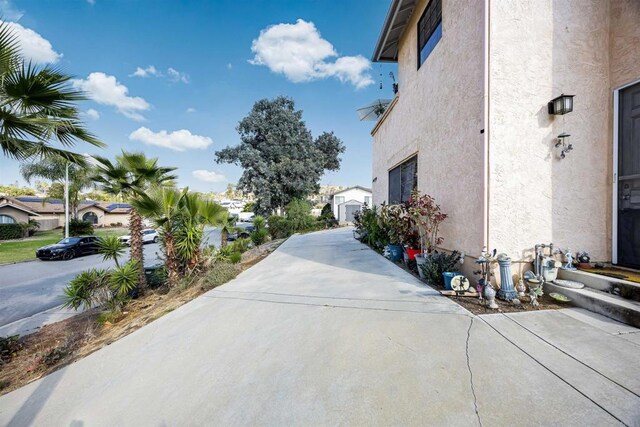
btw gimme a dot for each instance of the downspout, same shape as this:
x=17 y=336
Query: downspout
x=486 y=190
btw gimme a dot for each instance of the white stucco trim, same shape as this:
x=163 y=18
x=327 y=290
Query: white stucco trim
x=614 y=212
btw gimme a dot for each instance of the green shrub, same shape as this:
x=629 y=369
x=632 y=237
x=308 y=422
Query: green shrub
x=235 y=257
x=438 y=263
x=240 y=245
x=9 y=346
x=299 y=215
x=259 y=236
x=326 y=218
x=11 y=231
x=77 y=227
x=220 y=273
x=249 y=207
x=279 y=227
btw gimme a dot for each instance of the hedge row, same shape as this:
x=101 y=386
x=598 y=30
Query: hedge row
x=11 y=231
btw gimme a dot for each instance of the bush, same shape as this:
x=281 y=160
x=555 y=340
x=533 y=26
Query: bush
x=259 y=236
x=240 y=245
x=279 y=227
x=438 y=263
x=77 y=227
x=249 y=207
x=326 y=218
x=299 y=215
x=30 y=228
x=11 y=231
x=220 y=273
x=235 y=257
x=9 y=346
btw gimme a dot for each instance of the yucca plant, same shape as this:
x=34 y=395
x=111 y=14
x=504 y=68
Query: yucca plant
x=111 y=248
x=123 y=280
x=87 y=289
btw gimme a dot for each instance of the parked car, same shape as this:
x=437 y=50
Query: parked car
x=69 y=248
x=149 y=235
x=238 y=235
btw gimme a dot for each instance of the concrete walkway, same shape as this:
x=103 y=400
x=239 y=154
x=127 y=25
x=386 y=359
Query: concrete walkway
x=325 y=332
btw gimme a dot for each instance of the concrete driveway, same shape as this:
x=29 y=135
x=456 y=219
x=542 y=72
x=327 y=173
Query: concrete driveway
x=326 y=332
x=31 y=292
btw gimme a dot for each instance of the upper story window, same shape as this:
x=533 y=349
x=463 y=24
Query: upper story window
x=403 y=180
x=429 y=30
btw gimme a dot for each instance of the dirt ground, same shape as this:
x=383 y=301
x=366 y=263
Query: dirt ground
x=478 y=306
x=67 y=341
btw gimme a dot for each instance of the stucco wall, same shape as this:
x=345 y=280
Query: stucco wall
x=538 y=50
x=624 y=42
x=439 y=115
x=18 y=215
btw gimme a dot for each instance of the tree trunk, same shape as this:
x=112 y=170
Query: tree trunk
x=171 y=262
x=137 y=250
x=224 y=238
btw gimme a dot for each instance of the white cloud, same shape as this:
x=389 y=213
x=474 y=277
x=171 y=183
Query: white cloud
x=91 y=2
x=93 y=114
x=300 y=53
x=106 y=90
x=177 y=76
x=9 y=12
x=33 y=46
x=208 y=176
x=146 y=72
x=171 y=73
x=191 y=110
x=229 y=66
x=179 y=140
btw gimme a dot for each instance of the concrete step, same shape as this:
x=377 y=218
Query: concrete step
x=609 y=305
x=611 y=285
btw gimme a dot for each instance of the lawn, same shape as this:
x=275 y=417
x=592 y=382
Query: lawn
x=25 y=250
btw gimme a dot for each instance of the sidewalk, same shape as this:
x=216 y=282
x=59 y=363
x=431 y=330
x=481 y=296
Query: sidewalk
x=323 y=332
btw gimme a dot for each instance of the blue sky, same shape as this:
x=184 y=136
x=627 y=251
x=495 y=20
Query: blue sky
x=200 y=67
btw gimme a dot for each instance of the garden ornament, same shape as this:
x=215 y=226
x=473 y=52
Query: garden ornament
x=535 y=291
x=568 y=256
x=506 y=291
x=521 y=288
x=490 y=296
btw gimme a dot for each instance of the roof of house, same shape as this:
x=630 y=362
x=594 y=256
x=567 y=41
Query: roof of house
x=352 y=188
x=39 y=205
x=11 y=202
x=398 y=16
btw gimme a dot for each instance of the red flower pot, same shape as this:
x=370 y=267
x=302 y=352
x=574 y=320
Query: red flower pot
x=412 y=253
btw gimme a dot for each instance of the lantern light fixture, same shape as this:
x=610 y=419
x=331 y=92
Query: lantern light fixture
x=561 y=105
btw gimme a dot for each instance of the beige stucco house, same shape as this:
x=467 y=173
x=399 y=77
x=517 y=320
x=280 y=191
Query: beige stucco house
x=50 y=212
x=470 y=123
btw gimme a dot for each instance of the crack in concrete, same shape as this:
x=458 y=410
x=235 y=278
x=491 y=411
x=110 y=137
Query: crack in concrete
x=401 y=345
x=473 y=390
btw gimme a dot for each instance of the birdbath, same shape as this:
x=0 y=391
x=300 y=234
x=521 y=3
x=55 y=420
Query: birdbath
x=507 y=291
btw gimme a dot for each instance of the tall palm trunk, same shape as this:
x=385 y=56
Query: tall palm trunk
x=137 y=250
x=224 y=237
x=171 y=261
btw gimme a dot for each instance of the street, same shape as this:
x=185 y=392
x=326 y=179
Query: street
x=31 y=292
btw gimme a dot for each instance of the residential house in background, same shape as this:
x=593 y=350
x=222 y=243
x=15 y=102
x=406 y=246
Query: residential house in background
x=345 y=203
x=50 y=212
x=471 y=123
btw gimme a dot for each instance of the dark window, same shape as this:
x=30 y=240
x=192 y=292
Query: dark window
x=429 y=30
x=402 y=181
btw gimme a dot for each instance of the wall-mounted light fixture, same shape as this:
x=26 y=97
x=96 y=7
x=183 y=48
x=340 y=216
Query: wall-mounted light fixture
x=561 y=105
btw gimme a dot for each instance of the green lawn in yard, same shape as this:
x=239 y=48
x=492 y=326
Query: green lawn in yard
x=24 y=250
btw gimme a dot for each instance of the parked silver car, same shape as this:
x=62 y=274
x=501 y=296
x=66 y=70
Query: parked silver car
x=149 y=235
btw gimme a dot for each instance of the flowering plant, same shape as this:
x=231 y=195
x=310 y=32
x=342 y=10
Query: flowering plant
x=427 y=215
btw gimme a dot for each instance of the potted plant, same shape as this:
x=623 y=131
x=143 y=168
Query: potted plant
x=427 y=217
x=392 y=221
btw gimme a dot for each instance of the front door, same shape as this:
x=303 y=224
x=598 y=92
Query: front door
x=629 y=177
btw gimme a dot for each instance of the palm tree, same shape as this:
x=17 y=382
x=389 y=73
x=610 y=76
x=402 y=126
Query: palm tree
x=181 y=217
x=227 y=225
x=38 y=107
x=128 y=178
x=53 y=168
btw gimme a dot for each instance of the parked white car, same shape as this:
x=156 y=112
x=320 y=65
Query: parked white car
x=148 y=236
